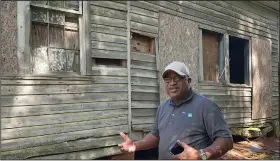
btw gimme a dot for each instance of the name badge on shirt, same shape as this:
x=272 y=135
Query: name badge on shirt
x=187 y=115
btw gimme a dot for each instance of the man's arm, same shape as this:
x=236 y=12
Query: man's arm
x=148 y=142
x=218 y=148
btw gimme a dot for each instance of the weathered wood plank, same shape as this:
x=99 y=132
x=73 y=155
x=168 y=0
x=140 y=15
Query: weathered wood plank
x=222 y=92
x=108 y=46
x=145 y=5
x=110 y=4
x=109 y=79
x=144 y=81
x=144 y=27
x=233 y=104
x=109 y=54
x=59 y=118
x=107 y=12
x=142 y=120
x=108 y=38
x=143 y=12
x=143 y=57
x=81 y=155
x=206 y=17
x=45 y=82
x=237 y=115
x=257 y=10
x=145 y=89
x=145 y=104
x=64 y=147
x=144 y=112
x=170 y=10
x=229 y=21
x=226 y=88
x=56 y=89
x=108 y=21
x=227 y=98
x=108 y=30
x=233 y=16
x=143 y=73
x=243 y=12
x=139 y=64
x=144 y=19
x=144 y=127
x=25 y=132
x=116 y=71
x=262 y=82
x=61 y=108
x=141 y=96
x=226 y=110
x=65 y=98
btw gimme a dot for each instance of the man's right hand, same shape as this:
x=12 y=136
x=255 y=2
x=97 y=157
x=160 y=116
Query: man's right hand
x=128 y=144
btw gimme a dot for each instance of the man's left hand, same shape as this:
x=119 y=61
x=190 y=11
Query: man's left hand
x=189 y=153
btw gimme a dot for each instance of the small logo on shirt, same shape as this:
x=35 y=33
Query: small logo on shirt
x=187 y=114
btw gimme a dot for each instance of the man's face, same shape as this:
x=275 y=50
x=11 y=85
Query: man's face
x=177 y=87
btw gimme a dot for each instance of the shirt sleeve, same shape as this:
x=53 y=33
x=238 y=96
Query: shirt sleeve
x=215 y=124
x=155 y=130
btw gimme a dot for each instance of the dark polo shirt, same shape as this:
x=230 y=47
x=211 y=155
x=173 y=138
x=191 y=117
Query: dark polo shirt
x=197 y=121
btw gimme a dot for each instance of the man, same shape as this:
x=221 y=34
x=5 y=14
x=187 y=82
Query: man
x=192 y=119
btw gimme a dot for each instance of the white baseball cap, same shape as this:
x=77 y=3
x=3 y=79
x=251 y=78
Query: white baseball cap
x=178 y=67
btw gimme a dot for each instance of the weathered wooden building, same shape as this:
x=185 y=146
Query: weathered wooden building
x=76 y=73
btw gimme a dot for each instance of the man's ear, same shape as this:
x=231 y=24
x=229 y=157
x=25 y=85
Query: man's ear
x=189 y=80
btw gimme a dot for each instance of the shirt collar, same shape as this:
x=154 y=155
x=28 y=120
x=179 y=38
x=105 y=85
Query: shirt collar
x=186 y=99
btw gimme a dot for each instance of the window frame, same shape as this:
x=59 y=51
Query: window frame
x=224 y=68
x=24 y=34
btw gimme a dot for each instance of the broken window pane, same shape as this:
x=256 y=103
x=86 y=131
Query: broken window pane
x=40 y=60
x=239 y=60
x=56 y=17
x=39 y=14
x=72 y=57
x=57 y=59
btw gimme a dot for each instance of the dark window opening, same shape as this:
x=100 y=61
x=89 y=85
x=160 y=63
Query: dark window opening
x=110 y=62
x=239 y=60
x=144 y=44
x=212 y=49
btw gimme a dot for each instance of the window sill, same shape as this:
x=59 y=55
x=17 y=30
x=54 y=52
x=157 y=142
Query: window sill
x=211 y=83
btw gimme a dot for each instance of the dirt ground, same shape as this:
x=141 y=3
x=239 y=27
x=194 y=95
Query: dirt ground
x=262 y=148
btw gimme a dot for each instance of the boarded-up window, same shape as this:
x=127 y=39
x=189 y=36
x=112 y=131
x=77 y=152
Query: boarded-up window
x=262 y=78
x=55 y=36
x=210 y=44
x=144 y=44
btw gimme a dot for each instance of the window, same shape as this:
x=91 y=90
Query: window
x=224 y=58
x=211 y=44
x=239 y=60
x=144 y=44
x=54 y=36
